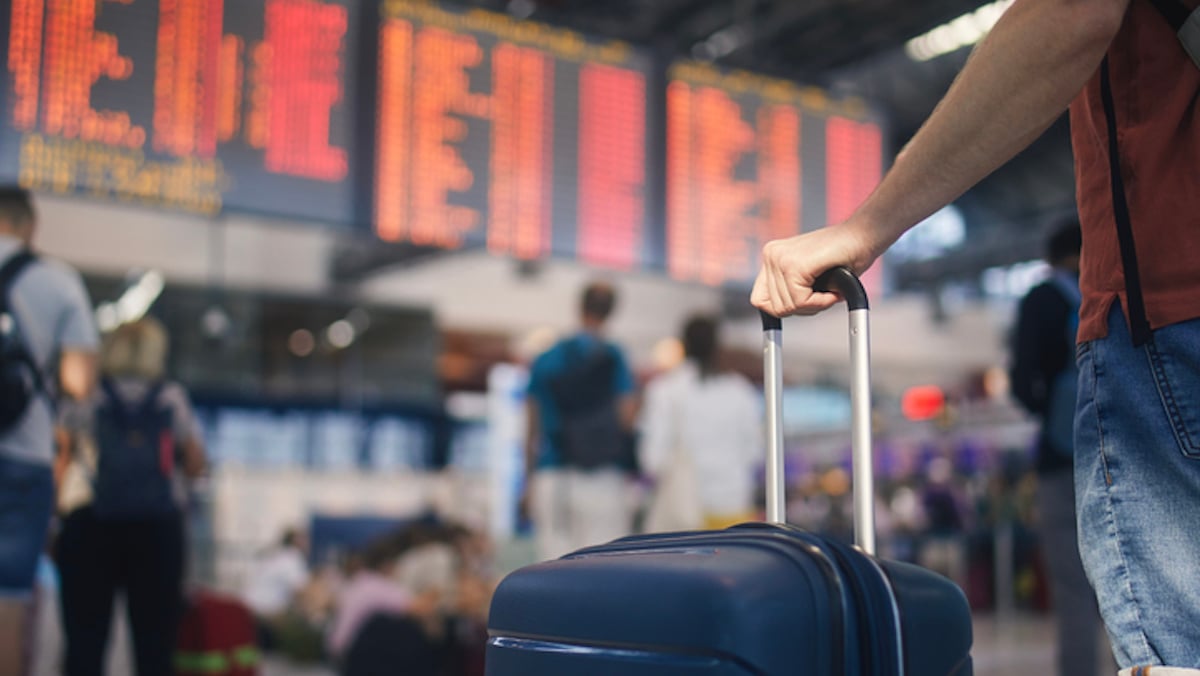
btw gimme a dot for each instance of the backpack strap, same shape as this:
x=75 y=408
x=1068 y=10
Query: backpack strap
x=113 y=398
x=150 y=400
x=9 y=272
x=126 y=409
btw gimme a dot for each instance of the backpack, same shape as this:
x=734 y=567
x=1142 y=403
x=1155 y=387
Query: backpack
x=21 y=378
x=136 y=456
x=590 y=433
x=1059 y=426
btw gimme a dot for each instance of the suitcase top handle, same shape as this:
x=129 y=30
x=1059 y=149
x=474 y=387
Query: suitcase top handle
x=843 y=281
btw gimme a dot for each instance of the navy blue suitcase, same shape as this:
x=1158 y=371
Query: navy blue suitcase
x=755 y=599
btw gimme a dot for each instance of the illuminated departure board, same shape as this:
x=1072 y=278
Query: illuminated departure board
x=523 y=138
x=751 y=159
x=198 y=105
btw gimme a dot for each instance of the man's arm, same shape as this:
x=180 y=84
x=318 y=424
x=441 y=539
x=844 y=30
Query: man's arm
x=77 y=373
x=79 y=340
x=1018 y=81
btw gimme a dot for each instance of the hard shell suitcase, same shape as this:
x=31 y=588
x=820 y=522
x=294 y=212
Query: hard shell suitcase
x=763 y=599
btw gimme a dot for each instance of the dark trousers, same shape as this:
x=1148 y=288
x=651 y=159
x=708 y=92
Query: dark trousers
x=144 y=559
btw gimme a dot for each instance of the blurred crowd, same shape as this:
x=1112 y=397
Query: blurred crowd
x=415 y=597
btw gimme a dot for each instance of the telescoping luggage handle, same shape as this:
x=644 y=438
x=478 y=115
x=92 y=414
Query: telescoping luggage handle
x=843 y=281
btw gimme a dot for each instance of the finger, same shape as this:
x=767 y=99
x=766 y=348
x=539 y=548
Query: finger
x=779 y=305
x=783 y=302
x=760 y=295
x=817 y=302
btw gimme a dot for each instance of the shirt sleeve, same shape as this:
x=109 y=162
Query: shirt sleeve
x=184 y=423
x=536 y=389
x=76 y=324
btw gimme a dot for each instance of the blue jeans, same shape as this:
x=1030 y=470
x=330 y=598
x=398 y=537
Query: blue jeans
x=1137 y=482
x=26 y=504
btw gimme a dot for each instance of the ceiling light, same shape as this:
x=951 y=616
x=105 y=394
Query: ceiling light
x=301 y=342
x=341 y=334
x=962 y=32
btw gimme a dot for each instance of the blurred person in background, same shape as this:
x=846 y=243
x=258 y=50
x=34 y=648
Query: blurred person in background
x=416 y=605
x=370 y=590
x=128 y=453
x=701 y=438
x=274 y=587
x=1044 y=379
x=943 y=546
x=48 y=341
x=579 y=444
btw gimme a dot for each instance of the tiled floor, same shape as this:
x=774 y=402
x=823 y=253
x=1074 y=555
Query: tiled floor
x=1015 y=646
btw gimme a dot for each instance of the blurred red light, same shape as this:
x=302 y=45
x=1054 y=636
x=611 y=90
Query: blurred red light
x=924 y=402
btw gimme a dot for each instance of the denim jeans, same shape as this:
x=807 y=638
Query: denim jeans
x=1137 y=482
x=26 y=504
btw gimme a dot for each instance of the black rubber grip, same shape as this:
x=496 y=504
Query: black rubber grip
x=840 y=279
x=770 y=322
x=843 y=280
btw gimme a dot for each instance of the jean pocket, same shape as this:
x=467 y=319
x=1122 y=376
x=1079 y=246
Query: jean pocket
x=1175 y=357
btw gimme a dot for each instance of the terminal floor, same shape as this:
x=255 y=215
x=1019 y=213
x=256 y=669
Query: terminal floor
x=1010 y=646
x=1017 y=645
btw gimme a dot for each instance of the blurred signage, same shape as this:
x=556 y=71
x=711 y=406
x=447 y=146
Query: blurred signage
x=513 y=135
x=751 y=159
x=815 y=409
x=273 y=434
x=198 y=105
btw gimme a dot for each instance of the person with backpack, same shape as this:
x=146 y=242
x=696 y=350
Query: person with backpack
x=579 y=445
x=129 y=450
x=1044 y=379
x=48 y=342
x=1124 y=68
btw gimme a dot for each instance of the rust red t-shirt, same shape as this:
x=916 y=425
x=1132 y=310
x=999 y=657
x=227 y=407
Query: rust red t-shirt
x=1156 y=94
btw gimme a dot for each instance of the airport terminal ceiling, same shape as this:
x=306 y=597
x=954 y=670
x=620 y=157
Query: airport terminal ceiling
x=613 y=187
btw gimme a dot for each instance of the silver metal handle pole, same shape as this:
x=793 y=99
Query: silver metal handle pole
x=845 y=282
x=860 y=431
x=773 y=386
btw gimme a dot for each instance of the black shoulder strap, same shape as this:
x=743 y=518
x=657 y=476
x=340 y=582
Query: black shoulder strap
x=116 y=403
x=150 y=401
x=1138 y=325
x=9 y=272
x=12 y=268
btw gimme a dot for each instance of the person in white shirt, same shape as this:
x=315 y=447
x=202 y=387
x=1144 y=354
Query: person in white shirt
x=702 y=438
x=279 y=577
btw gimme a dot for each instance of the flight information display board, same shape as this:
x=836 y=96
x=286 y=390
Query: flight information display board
x=751 y=159
x=527 y=139
x=198 y=105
